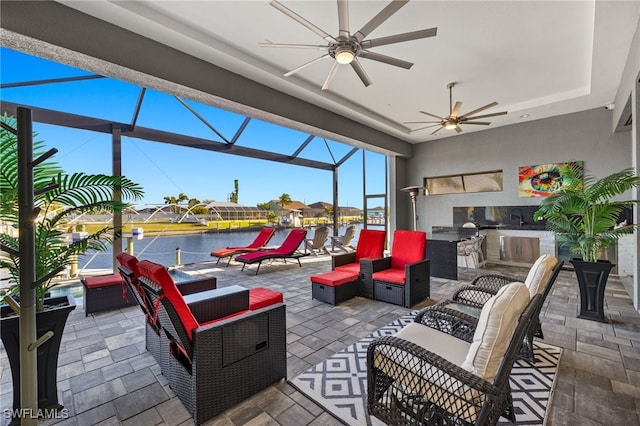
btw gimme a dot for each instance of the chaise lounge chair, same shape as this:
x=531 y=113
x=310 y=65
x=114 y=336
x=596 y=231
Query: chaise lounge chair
x=288 y=250
x=258 y=244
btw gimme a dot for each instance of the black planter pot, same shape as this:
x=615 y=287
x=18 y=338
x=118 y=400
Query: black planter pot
x=53 y=319
x=592 y=279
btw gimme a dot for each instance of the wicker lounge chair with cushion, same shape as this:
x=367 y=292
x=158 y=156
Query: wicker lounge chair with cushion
x=424 y=376
x=316 y=244
x=287 y=250
x=221 y=351
x=370 y=246
x=540 y=279
x=261 y=240
x=403 y=277
x=148 y=302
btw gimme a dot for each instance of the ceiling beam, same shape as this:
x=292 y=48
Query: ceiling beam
x=57 y=118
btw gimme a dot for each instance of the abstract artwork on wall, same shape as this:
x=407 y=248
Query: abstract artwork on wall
x=542 y=180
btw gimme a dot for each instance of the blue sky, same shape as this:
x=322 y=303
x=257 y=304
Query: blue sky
x=167 y=170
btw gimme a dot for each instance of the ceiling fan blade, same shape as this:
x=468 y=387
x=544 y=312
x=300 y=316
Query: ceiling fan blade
x=357 y=67
x=466 y=117
x=427 y=127
x=343 y=18
x=293 y=71
x=386 y=59
x=492 y=104
x=382 y=16
x=458 y=129
x=482 y=123
x=456 y=110
x=432 y=115
x=398 y=38
x=332 y=73
x=293 y=46
x=420 y=122
x=299 y=19
x=437 y=130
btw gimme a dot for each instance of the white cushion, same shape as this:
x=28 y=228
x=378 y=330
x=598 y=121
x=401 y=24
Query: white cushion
x=496 y=325
x=540 y=273
x=442 y=344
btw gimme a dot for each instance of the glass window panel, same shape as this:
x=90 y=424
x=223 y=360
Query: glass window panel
x=464 y=183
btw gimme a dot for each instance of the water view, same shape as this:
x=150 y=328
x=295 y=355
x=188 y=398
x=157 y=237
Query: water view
x=193 y=247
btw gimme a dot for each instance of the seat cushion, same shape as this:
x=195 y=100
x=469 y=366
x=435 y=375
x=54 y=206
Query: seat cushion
x=334 y=278
x=442 y=344
x=496 y=325
x=261 y=297
x=353 y=268
x=103 y=281
x=540 y=273
x=391 y=275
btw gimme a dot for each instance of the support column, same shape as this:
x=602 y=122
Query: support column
x=27 y=250
x=116 y=153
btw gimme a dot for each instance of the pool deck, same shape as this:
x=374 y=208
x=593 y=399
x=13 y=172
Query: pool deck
x=105 y=375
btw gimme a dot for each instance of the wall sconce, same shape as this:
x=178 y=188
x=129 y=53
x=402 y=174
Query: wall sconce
x=413 y=193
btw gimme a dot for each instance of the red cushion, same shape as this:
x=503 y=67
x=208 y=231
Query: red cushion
x=130 y=262
x=159 y=274
x=262 y=297
x=334 y=278
x=352 y=268
x=261 y=240
x=370 y=244
x=392 y=275
x=289 y=245
x=103 y=281
x=408 y=247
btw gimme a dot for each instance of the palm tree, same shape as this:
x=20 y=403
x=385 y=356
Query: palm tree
x=70 y=195
x=284 y=199
x=582 y=214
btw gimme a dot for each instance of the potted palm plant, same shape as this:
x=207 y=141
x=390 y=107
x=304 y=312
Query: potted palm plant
x=584 y=216
x=58 y=197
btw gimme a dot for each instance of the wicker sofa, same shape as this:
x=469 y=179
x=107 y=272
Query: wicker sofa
x=147 y=301
x=221 y=351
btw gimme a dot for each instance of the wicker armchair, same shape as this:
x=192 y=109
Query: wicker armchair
x=221 y=351
x=425 y=376
x=402 y=278
x=370 y=246
x=148 y=302
x=540 y=279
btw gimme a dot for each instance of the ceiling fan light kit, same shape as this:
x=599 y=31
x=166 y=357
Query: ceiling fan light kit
x=453 y=120
x=346 y=48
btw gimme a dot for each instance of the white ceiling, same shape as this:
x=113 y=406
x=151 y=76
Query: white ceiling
x=541 y=58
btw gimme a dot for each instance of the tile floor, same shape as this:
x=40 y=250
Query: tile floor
x=107 y=377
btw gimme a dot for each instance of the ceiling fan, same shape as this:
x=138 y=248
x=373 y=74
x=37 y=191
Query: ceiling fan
x=453 y=120
x=346 y=48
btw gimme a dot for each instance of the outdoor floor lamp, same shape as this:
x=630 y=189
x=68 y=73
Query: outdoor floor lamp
x=413 y=193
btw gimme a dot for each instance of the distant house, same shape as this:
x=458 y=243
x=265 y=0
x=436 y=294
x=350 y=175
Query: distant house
x=291 y=214
x=234 y=211
x=320 y=208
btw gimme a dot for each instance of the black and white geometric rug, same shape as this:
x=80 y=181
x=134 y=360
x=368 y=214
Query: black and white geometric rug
x=339 y=383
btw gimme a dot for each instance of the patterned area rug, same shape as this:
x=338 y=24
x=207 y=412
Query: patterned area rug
x=339 y=383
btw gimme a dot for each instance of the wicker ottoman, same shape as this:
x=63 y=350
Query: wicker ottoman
x=105 y=292
x=334 y=287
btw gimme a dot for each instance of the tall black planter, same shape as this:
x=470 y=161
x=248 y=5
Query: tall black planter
x=592 y=279
x=53 y=318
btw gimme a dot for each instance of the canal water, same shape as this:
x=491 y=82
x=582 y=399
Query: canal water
x=193 y=247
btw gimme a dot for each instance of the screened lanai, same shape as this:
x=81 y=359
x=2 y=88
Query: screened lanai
x=172 y=144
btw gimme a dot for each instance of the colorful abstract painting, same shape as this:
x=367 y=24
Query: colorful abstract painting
x=542 y=180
